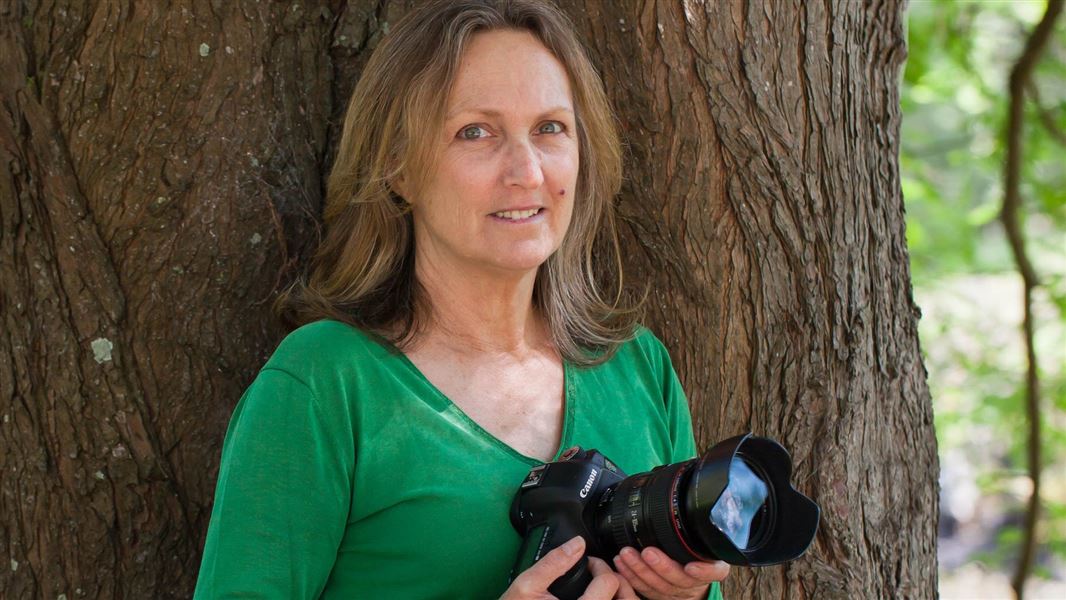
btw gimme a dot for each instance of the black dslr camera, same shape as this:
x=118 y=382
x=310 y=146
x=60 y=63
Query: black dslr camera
x=734 y=503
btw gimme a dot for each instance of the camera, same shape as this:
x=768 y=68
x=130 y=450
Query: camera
x=734 y=503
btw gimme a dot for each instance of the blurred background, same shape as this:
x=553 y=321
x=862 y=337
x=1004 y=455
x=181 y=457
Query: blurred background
x=955 y=101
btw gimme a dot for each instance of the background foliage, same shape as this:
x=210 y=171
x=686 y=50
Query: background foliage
x=955 y=107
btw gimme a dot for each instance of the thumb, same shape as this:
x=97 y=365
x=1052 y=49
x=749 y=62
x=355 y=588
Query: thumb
x=553 y=566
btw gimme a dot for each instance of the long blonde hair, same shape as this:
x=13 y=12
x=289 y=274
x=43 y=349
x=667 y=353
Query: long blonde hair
x=363 y=272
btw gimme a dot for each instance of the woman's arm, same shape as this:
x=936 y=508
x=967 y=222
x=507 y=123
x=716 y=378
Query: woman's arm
x=283 y=494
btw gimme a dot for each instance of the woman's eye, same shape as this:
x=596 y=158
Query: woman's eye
x=551 y=127
x=473 y=132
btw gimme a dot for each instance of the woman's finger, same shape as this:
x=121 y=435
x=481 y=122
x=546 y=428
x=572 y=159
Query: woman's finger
x=708 y=571
x=536 y=579
x=630 y=577
x=604 y=581
x=669 y=569
x=646 y=579
x=625 y=591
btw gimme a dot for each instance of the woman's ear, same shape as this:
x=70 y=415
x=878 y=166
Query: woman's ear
x=399 y=186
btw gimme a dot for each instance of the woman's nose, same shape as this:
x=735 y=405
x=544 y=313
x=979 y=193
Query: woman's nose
x=523 y=166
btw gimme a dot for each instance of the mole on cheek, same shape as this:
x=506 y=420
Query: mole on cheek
x=562 y=192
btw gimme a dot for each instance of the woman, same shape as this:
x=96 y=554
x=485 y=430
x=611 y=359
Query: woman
x=451 y=334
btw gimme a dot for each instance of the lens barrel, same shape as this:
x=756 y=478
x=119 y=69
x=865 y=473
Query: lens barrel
x=735 y=503
x=645 y=510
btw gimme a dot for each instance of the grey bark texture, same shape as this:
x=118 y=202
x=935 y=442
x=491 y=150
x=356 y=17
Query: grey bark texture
x=163 y=171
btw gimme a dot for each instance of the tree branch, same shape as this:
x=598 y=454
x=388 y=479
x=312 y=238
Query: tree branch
x=1019 y=78
x=1046 y=117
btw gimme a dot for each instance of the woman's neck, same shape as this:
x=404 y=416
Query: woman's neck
x=477 y=312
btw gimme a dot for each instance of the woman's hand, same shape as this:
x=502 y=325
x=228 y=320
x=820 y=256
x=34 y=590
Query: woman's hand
x=656 y=576
x=532 y=584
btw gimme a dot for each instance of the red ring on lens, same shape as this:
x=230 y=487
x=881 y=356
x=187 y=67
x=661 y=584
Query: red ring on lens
x=675 y=514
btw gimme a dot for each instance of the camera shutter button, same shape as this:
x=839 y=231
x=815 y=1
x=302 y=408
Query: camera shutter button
x=570 y=452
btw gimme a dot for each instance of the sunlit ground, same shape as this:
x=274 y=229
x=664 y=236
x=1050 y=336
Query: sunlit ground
x=973 y=583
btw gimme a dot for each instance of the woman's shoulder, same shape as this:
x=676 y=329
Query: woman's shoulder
x=324 y=347
x=322 y=336
x=642 y=346
x=642 y=356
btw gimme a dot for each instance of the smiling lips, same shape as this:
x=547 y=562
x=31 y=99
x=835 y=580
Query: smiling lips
x=516 y=215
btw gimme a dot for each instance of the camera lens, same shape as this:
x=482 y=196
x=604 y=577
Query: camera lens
x=645 y=510
x=734 y=503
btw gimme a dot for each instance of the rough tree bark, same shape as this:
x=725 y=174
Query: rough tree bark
x=160 y=166
x=764 y=205
x=163 y=170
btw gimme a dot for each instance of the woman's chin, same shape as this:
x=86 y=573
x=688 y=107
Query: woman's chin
x=518 y=265
x=523 y=258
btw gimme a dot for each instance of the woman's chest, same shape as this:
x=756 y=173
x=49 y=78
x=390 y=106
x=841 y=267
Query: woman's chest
x=522 y=405
x=430 y=508
x=444 y=532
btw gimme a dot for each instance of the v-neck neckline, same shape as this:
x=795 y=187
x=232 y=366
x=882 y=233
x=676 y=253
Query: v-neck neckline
x=568 y=410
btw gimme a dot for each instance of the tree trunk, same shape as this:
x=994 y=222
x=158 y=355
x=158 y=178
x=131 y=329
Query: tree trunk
x=763 y=205
x=163 y=173
x=162 y=166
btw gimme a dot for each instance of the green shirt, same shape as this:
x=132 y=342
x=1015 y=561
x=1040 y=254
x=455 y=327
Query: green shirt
x=346 y=474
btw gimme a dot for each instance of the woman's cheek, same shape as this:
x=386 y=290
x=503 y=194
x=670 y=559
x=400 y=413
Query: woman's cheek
x=562 y=165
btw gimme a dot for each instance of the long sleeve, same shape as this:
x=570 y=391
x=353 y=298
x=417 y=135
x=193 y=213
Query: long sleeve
x=283 y=494
x=677 y=418
x=680 y=422
x=677 y=413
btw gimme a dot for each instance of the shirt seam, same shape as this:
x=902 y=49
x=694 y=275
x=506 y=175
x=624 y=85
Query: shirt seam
x=318 y=415
x=298 y=380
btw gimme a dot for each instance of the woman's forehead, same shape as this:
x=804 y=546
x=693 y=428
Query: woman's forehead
x=504 y=71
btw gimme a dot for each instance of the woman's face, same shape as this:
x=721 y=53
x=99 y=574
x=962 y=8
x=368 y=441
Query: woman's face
x=500 y=196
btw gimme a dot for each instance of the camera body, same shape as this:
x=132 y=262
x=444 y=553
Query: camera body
x=558 y=501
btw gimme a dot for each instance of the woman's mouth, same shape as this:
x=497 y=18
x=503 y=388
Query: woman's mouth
x=517 y=215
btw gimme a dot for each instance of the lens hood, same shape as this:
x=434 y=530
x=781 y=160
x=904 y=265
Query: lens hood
x=783 y=525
